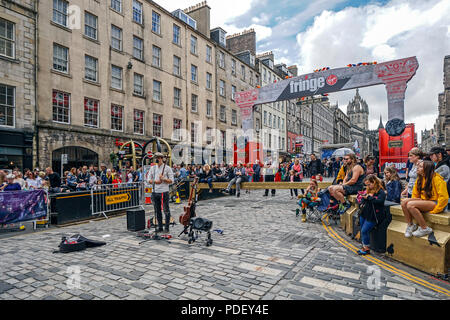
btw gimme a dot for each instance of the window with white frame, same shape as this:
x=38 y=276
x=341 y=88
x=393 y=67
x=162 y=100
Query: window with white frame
x=176 y=34
x=116 y=38
x=116 y=117
x=156 y=90
x=138 y=121
x=233 y=117
x=193 y=73
x=221 y=59
x=176 y=66
x=60 y=58
x=116 y=77
x=233 y=67
x=176 y=134
x=90 y=25
x=208 y=54
x=193 y=45
x=222 y=114
x=61 y=106
x=233 y=91
x=138 y=84
x=137 y=11
x=116 y=5
x=177 y=97
x=156 y=57
x=156 y=22
x=90 y=68
x=270 y=119
x=91 y=113
x=208 y=108
x=222 y=88
x=157 y=125
x=208 y=80
x=194 y=132
x=208 y=135
x=194 y=103
x=138 y=48
x=7 y=38
x=265 y=118
x=243 y=72
x=60 y=12
x=7 y=105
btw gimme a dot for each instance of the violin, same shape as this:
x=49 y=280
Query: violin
x=189 y=210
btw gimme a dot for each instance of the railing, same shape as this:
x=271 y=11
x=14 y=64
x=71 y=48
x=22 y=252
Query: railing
x=114 y=197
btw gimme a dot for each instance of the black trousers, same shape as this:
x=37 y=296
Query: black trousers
x=157 y=198
x=269 y=179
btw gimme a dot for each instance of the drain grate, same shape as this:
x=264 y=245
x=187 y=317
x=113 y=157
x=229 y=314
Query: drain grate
x=293 y=238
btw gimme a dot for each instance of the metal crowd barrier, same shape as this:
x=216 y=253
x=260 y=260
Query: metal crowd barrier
x=114 y=197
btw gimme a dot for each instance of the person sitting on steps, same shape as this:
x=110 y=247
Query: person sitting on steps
x=352 y=183
x=429 y=195
x=239 y=176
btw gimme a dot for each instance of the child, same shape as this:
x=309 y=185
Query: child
x=291 y=179
x=310 y=197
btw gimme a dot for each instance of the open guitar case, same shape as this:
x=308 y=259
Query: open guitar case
x=77 y=242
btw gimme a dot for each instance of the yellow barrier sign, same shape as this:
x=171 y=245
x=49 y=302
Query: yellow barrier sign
x=117 y=198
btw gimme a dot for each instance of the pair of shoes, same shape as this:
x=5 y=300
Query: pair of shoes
x=238 y=195
x=292 y=197
x=409 y=230
x=166 y=229
x=422 y=232
x=363 y=252
x=265 y=195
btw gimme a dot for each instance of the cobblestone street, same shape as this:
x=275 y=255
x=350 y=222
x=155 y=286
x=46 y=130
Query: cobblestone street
x=265 y=252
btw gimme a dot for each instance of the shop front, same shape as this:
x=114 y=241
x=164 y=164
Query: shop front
x=16 y=149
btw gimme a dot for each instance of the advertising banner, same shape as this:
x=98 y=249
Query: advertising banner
x=394 y=74
x=18 y=206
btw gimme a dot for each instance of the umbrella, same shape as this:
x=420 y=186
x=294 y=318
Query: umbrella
x=341 y=152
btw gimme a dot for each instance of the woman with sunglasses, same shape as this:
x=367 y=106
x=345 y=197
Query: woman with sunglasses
x=429 y=195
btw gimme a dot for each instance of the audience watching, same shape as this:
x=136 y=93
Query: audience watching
x=429 y=195
x=393 y=184
x=372 y=209
x=207 y=176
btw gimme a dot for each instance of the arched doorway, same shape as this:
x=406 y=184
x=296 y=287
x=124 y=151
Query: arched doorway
x=76 y=157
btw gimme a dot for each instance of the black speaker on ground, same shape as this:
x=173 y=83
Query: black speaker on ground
x=135 y=220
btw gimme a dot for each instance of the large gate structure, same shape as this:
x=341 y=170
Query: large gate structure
x=394 y=74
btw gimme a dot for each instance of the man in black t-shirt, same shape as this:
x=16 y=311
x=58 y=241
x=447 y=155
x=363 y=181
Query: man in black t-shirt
x=54 y=180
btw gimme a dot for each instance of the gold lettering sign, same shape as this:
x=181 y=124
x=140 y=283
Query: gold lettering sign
x=395 y=144
x=117 y=198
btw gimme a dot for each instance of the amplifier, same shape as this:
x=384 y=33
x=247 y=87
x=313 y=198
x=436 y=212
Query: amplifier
x=135 y=220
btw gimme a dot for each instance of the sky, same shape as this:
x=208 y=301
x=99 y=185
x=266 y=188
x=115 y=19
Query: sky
x=333 y=33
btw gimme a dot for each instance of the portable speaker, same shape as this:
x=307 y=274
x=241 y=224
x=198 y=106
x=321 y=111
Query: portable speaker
x=135 y=220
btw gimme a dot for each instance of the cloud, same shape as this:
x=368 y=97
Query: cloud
x=380 y=33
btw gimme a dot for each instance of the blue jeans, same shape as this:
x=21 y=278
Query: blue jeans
x=209 y=181
x=366 y=227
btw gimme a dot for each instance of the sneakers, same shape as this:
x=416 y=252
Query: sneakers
x=238 y=194
x=409 y=230
x=422 y=232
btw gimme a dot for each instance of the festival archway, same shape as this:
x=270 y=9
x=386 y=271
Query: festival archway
x=394 y=74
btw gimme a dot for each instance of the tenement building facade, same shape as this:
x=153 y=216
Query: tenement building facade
x=129 y=70
x=17 y=83
x=442 y=125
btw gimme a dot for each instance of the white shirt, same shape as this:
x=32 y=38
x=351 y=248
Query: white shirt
x=155 y=172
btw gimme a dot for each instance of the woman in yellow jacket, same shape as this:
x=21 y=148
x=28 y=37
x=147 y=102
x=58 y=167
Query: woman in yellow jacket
x=429 y=195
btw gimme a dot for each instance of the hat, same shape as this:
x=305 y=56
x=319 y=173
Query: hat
x=437 y=150
x=10 y=176
x=158 y=155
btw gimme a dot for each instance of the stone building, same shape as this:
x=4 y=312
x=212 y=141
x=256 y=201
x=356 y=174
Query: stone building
x=367 y=140
x=17 y=83
x=127 y=70
x=341 y=128
x=442 y=125
x=429 y=139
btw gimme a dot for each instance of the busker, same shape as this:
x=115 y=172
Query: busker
x=160 y=177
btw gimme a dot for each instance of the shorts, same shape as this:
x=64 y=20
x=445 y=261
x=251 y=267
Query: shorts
x=352 y=189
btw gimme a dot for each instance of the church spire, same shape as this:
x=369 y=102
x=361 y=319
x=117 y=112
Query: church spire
x=381 y=126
